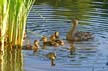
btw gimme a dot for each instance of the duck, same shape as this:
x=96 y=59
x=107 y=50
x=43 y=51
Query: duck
x=57 y=34
x=54 y=36
x=27 y=47
x=54 y=39
x=46 y=42
x=33 y=47
x=74 y=35
x=36 y=46
x=52 y=57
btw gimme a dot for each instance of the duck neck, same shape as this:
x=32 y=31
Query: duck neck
x=73 y=30
x=71 y=33
x=36 y=45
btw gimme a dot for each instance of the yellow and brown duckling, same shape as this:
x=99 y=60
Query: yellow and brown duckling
x=48 y=43
x=27 y=47
x=55 y=38
x=78 y=36
x=35 y=46
x=52 y=57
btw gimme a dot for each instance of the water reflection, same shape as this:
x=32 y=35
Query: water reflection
x=72 y=47
x=11 y=60
x=69 y=8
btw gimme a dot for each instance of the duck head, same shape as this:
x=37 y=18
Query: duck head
x=56 y=34
x=75 y=22
x=44 y=39
x=36 y=42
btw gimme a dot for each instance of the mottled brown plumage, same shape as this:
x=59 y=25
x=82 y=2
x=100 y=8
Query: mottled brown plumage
x=78 y=35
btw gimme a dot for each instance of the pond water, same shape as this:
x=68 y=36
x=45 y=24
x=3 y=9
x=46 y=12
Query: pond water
x=48 y=16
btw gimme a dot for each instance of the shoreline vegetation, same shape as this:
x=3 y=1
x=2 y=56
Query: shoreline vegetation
x=13 y=17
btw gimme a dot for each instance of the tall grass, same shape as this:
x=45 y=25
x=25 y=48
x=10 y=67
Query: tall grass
x=13 y=16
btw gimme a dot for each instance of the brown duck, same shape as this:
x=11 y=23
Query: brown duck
x=74 y=35
x=52 y=57
x=48 y=43
x=55 y=38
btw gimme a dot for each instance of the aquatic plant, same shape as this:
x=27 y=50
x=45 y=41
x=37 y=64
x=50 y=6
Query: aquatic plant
x=13 y=16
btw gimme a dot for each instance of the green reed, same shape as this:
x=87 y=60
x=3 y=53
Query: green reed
x=13 y=17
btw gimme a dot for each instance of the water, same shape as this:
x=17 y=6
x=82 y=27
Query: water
x=48 y=16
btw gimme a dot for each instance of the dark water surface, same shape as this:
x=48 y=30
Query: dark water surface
x=48 y=16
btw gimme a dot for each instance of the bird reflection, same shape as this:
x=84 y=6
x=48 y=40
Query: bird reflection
x=72 y=48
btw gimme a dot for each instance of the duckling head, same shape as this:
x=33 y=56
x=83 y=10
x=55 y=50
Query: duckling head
x=56 y=34
x=36 y=42
x=35 y=47
x=51 y=55
x=44 y=39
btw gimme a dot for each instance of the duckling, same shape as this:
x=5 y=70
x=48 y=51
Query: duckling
x=35 y=46
x=27 y=47
x=55 y=39
x=52 y=57
x=48 y=43
x=78 y=36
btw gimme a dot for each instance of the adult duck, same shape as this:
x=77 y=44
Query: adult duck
x=74 y=35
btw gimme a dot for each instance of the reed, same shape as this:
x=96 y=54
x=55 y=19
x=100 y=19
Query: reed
x=13 y=16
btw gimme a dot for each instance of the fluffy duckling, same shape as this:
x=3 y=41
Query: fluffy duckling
x=48 y=43
x=55 y=38
x=52 y=57
x=78 y=36
x=27 y=47
x=35 y=46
